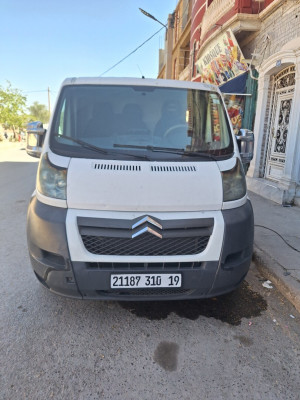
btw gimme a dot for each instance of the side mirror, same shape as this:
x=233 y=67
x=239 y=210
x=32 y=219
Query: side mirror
x=245 y=141
x=35 y=138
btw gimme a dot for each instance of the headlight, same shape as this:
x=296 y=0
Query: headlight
x=51 y=180
x=234 y=183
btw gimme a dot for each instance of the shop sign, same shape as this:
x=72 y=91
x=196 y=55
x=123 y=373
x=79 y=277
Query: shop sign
x=222 y=60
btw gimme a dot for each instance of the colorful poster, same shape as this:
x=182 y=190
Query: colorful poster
x=222 y=60
x=235 y=106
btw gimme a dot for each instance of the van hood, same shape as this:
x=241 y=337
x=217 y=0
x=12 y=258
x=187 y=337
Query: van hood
x=143 y=186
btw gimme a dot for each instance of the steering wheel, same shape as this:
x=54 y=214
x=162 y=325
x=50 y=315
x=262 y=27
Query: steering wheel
x=173 y=128
x=173 y=137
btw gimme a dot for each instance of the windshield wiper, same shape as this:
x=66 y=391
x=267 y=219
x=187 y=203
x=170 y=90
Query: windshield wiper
x=200 y=154
x=82 y=143
x=151 y=148
x=96 y=148
x=168 y=150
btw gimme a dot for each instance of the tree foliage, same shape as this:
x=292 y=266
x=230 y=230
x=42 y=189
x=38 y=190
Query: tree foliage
x=39 y=112
x=12 y=108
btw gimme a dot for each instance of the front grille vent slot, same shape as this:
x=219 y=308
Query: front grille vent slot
x=173 y=168
x=117 y=167
x=138 y=168
x=138 y=267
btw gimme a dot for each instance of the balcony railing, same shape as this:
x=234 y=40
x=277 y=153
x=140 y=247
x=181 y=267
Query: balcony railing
x=216 y=10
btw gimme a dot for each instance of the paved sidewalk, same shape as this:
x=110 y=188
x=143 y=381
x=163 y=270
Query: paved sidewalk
x=277 y=245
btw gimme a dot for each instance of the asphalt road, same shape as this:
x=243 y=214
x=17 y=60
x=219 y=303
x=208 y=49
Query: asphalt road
x=245 y=345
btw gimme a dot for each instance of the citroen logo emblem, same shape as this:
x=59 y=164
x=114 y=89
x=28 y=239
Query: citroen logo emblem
x=148 y=221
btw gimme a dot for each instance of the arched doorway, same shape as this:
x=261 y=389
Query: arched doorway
x=282 y=101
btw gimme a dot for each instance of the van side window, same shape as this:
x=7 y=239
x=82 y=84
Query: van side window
x=60 y=130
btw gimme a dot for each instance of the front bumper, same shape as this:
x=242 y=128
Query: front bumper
x=50 y=257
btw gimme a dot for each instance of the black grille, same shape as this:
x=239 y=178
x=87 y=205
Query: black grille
x=144 y=245
x=135 y=267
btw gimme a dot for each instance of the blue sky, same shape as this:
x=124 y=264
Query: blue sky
x=42 y=42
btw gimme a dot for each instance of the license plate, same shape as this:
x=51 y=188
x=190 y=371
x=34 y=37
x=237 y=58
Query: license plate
x=145 y=281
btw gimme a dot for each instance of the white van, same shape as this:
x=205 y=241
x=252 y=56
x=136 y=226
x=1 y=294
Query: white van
x=140 y=193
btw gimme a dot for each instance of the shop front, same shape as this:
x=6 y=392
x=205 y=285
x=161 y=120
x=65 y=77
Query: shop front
x=275 y=170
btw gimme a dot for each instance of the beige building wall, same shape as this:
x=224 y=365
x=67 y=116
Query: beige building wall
x=174 y=58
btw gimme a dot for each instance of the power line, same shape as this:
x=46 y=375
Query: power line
x=128 y=55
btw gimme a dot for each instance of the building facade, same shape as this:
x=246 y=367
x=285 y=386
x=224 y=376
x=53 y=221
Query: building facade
x=251 y=48
x=212 y=18
x=275 y=169
x=175 y=57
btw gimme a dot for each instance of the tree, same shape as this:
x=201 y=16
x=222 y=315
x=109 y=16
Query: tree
x=39 y=112
x=12 y=108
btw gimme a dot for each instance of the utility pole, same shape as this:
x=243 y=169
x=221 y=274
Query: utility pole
x=49 y=103
x=168 y=40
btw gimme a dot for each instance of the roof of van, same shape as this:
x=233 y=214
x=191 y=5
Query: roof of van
x=140 y=82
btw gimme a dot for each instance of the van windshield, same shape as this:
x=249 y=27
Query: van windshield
x=124 y=121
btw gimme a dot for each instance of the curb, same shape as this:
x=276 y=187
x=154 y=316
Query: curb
x=272 y=270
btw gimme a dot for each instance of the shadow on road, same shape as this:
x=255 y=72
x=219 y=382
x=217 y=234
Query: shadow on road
x=230 y=308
